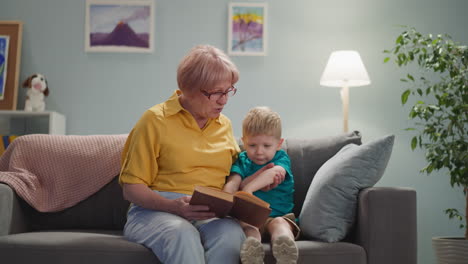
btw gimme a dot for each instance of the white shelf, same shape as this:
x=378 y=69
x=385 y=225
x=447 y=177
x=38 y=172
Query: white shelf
x=22 y=123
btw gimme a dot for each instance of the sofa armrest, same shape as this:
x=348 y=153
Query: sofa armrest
x=12 y=216
x=386 y=226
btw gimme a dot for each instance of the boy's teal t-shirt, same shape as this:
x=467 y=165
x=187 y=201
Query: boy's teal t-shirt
x=280 y=198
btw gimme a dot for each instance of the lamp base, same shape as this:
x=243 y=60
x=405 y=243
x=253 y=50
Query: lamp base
x=345 y=101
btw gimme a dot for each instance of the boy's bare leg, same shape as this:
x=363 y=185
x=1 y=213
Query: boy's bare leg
x=252 y=248
x=279 y=227
x=251 y=231
x=282 y=241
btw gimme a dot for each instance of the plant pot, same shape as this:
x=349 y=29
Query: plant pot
x=450 y=250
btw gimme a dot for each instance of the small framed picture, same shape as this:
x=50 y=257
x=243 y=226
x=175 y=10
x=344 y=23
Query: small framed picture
x=247 y=29
x=119 y=26
x=10 y=59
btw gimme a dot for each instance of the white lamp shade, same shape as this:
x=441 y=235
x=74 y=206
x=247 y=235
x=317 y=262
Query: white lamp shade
x=344 y=68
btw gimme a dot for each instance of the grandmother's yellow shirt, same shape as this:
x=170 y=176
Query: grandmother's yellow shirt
x=167 y=150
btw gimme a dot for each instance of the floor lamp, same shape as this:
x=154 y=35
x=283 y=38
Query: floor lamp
x=345 y=69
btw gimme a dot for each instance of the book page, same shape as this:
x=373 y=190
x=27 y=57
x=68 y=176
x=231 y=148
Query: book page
x=215 y=193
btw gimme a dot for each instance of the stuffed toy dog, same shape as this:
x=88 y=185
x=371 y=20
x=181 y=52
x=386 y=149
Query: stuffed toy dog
x=37 y=91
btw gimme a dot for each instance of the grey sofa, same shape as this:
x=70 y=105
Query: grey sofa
x=91 y=231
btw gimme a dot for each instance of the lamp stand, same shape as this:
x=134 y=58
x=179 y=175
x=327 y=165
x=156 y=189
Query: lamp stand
x=345 y=101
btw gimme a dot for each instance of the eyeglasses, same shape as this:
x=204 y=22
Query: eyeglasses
x=216 y=96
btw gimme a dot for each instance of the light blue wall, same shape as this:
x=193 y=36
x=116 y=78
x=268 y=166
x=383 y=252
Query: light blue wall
x=106 y=93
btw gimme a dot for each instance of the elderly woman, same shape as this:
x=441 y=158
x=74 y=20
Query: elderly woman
x=178 y=144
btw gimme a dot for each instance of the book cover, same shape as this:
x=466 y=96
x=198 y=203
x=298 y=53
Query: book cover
x=220 y=202
x=241 y=205
x=250 y=209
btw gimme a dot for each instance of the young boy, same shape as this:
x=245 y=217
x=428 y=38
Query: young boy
x=264 y=169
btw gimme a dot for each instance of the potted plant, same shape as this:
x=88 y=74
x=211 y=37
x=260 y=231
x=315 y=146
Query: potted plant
x=439 y=83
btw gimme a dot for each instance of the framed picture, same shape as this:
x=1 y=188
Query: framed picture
x=10 y=58
x=247 y=32
x=119 y=25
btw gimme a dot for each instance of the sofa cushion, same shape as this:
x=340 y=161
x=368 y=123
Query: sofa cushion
x=73 y=247
x=308 y=155
x=329 y=208
x=106 y=209
x=325 y=253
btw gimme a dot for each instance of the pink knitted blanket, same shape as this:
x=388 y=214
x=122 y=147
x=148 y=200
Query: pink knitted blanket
x=52 y=172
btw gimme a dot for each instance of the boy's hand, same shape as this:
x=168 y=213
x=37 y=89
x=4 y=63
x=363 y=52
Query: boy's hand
x=261 y=170
x=266 y=178
x=280 y=174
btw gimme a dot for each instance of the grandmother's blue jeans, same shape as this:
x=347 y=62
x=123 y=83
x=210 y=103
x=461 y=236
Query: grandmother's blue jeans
x=176 y=240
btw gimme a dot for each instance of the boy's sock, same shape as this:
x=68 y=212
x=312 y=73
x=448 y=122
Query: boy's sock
x=285 y=250
x=252 y=251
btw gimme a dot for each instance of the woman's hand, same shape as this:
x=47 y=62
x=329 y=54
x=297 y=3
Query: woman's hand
x=183 y=209
x=141 y=195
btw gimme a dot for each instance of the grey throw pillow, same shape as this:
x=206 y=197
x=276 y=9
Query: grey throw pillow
x=329 y=208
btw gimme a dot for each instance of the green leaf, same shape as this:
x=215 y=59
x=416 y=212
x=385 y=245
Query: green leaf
x=410 y=77
x=414 y=143
x=399 y=40
x=429 y=168
x=402 y=57
x=404 y=96
x=386 y=59
x=428 y=90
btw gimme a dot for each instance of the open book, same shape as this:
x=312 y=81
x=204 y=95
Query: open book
x=241 y=205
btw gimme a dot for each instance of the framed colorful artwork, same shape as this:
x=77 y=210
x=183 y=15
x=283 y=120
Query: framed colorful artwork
x=119 y=26
x=10 y=59
x=247 y=29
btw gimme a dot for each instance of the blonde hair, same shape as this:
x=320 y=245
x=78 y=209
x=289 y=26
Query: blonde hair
x=204 y=67
x=261 y=120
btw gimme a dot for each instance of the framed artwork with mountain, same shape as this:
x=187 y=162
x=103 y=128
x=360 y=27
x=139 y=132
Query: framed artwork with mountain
x=119 y=26
x=247 y=29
